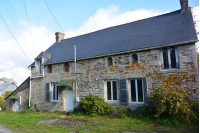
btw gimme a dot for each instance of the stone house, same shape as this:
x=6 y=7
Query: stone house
x=121 y=64
x=19 y=99
x=6 y=86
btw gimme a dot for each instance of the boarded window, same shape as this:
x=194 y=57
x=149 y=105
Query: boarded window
x=123 y=91
x=66 y=67
x=110 y=61
x=134 y=58
x=49 y=69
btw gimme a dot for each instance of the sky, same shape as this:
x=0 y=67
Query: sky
x=22 y=39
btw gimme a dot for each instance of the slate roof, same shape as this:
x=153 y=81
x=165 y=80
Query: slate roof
x=168 y=29
x=4 y=85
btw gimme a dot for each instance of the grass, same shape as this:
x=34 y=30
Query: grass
x=26 y=121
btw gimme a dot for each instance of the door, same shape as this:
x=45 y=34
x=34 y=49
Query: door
x=69 y=100
x=16 y=106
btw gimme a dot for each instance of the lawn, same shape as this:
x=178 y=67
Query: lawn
x=28 y=121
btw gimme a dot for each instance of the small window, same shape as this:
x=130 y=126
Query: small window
x=40 y=69
x=169 y=58
x=66 y=67
x=49 y=69
x=134 y=58
x=111 y=90
x=54 y=92
x=110 y=62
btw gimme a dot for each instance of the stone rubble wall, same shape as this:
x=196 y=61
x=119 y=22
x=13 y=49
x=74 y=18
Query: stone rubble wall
x=92 y=74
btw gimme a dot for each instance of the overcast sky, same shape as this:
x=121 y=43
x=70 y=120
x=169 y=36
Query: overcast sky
x=75 y=17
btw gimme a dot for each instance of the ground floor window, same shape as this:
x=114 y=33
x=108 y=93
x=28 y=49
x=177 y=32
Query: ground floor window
x=54 y=92
x=111 y=88
x=136 y=90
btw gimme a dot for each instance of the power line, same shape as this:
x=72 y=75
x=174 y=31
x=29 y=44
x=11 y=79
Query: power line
x=57 y=22
x=53 y=15
x=29 y=25
x=13 y=37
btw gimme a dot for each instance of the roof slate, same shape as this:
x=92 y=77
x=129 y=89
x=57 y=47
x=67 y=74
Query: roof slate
x=168 y=29
x=4 y=85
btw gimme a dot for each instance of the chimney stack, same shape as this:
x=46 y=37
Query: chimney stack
x=184 y=6
x=59 y=36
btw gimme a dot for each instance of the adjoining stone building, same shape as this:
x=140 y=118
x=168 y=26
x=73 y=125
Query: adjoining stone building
x=121 y=64
x=19 y=99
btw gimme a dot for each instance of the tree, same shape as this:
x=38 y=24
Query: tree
x=5 y=79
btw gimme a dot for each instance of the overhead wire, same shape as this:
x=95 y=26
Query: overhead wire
x=57 y=21
x=29 y=26
x=14 y=37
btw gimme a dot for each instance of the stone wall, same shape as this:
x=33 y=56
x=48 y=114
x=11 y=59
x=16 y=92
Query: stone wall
x=92 y=74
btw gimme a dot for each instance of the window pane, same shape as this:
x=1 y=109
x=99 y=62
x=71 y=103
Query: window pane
x=114 y=90
x=133 y=91
x=134 y=58
x=54 y=91
x=109 y=61
x=40 y=65
x=165 y=58
x=140 y=90
x=108 y=91
x=173 y=57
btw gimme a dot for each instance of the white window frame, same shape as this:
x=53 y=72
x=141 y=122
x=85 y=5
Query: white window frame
x=136 y=87
x=56 y=92
x=106 y=95
x=169 y=58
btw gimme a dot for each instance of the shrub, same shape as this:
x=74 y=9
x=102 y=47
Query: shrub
x=119 y=112
x=2 y=101
x=170 y=103
x=93 y=105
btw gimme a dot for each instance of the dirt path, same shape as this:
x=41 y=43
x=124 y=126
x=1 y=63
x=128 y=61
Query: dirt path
x=5 y=130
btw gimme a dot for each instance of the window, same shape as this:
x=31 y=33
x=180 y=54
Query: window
x=111 y=88
x=40 y=71
x=66 y=67
x=54 y=92
x=136 y=91
x=134 y=58
x=110 y=62
x=170 y=60
x=49 y=69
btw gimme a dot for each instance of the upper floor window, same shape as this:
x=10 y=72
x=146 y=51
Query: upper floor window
x=111 y=88
x=40 y=69
x=54 y=92
x=134 y=58
x=49 y=69
x=66 y=67
x=170 y=59
x=110 y=61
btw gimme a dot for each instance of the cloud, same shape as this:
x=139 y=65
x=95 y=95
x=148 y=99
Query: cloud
x=13 y=62
x=111 y=16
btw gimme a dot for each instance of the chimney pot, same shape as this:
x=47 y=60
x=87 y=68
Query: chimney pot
x=184 y=6
x=59 y=36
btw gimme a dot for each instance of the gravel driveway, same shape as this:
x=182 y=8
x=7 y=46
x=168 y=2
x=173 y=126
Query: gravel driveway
x=5 y=130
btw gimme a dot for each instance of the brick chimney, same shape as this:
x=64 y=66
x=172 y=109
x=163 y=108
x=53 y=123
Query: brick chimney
x=59 y=36
x=184 y=6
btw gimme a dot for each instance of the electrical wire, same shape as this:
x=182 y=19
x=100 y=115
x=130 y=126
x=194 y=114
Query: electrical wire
x=29 y=26
x=13 y=36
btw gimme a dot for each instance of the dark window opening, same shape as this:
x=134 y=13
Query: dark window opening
x=134 y=58
x=173 y=57
x=110 y=62
x=111 y=90
x=136 y=90
x=49 y=69
x=169 y=57
x=66 y=67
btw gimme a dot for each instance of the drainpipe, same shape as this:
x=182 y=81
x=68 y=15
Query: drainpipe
x=29 y=103
x=75 y=72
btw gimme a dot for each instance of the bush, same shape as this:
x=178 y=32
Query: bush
x=2 y=101
x=119 y=112
x=170 y=103
x=93 y=105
